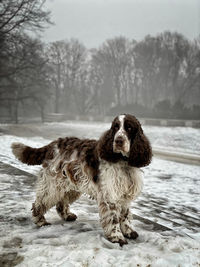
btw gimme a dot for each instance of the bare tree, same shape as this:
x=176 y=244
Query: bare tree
x=191 y=73
x=15 y=16
x=115 y=59
x=68 y=61
x=56 y=57
x=161 y=60
x=18 y=15
x=17 y=63
x=28 y=82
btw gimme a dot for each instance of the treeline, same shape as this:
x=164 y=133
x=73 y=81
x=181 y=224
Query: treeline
x=156 y=77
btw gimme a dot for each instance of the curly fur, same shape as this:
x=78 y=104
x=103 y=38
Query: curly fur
x=106 y=169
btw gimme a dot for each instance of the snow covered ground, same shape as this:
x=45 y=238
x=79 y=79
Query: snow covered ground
x=171 y=197
x=184 y=139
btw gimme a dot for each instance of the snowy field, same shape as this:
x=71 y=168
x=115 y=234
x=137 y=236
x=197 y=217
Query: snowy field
x=171 y=197
x=184 y=139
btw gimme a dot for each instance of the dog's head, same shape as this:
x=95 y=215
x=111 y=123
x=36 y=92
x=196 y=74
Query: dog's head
x=126 y=141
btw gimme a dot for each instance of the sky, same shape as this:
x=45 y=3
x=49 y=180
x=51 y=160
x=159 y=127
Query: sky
x=94 y=21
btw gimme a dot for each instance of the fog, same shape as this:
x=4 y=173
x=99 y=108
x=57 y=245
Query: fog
x=99 y=58
x=94 y=21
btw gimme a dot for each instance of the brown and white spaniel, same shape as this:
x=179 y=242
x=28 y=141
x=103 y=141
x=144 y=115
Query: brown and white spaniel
x=107 y=169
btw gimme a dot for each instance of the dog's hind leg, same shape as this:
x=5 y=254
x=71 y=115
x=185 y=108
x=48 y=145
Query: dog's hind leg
x=46 y=198
x=64 y=211
x=62 y=206
x=38 y=211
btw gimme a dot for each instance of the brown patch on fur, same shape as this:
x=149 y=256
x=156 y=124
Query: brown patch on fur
x=40 y=210
x=63 y=211
x=32 y=156
x=112 y=206
x=115 y=219
x=71 y=170
x=125 y=215
x=59 y=208
x=86 y=152
x=72 y=196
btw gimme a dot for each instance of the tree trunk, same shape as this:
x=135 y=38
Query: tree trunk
x=57 y=96
x=42 y=113
x=57 y=100
x=16 y=105
x=117 y=86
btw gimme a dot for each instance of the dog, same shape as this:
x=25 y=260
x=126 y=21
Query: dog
x=107 y=169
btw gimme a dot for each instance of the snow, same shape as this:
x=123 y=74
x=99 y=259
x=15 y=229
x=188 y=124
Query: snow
x=81 y=243
x=7 y=156
x=171 y=197
x=184 y=139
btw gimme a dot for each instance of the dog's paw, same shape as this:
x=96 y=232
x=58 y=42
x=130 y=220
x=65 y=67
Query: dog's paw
x=118 y=239
x=70 y=217
x=131 y=235
x=43 y=223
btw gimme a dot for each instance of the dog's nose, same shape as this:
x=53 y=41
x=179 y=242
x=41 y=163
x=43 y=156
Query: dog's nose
x=119 y=141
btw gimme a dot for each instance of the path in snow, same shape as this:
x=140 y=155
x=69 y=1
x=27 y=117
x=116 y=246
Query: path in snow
x=79 y=243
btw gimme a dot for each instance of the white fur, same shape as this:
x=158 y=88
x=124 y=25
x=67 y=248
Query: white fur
x=119 y=182
x=122 y=133
x=118 y=185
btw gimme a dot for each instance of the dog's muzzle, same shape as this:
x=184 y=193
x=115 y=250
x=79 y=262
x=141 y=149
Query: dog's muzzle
x=121 y=144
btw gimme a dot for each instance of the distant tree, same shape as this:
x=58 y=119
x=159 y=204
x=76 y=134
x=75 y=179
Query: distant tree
x=115 y=59
x=30 y=80
x=75 y=58
x=191 y=74
x=68 y=62
x=174 y=52
x=56 y=59
x=21 y=64
x=15 y=17
x=161 y=61
x=101 y=80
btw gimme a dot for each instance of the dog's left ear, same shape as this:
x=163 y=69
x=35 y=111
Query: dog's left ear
x=140 y=152
x=92 y=163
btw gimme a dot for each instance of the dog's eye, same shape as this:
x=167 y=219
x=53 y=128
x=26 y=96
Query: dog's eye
x=128 y=128
x=116 y=126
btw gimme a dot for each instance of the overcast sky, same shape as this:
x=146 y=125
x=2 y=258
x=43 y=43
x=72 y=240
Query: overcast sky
x=94 y=21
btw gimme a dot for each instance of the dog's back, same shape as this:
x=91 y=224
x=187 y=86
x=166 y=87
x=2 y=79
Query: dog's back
x=85 y=150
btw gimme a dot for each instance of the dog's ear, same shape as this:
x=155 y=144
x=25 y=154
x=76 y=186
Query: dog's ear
x=141 y=151
x=92 y=163
x=105 y=146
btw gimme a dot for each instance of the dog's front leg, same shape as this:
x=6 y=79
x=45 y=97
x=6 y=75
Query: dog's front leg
x=125 y=223
x=109 y=218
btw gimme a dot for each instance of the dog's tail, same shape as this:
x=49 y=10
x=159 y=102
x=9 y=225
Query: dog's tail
x=29 y=155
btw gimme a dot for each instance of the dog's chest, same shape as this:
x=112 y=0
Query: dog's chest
x=119 y=182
